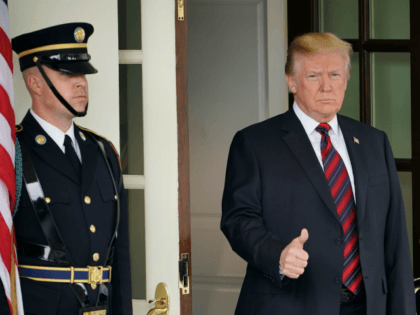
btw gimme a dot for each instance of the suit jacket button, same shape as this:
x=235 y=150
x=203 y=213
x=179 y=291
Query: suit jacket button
x=87 y=200
x=337 y=280
x=92 y=228
x=95 y=257
x=338 y=241
x=47 y=200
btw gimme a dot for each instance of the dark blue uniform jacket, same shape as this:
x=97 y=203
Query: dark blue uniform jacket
x=74 y=218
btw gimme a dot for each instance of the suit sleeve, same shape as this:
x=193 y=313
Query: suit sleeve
x=121 y=271
x=242 y=221
x=399 y=272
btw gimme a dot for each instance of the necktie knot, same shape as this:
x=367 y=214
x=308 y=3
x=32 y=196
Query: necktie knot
x=323 y=129
x=67 y=141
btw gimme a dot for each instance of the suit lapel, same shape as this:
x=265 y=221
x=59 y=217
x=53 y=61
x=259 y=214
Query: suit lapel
x=88 y=148
x=358 y=162
x=298 y=142
x=49 y=151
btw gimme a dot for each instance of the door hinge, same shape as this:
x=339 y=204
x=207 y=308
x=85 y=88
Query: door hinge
x=181 y=10
x=184 y=279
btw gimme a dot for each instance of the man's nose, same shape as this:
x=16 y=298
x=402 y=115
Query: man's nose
x=325 y=84
x=81 y=81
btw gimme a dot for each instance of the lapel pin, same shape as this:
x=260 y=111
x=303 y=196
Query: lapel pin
x=356 y=140
x=40 y=139
x=82 y=136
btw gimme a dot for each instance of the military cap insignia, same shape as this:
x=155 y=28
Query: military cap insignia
x=79 y=34
x=82 y=136
x=40 y=139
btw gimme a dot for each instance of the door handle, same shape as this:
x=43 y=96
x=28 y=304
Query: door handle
x=161 y=300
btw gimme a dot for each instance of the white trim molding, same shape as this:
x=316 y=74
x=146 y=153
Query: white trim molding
x=277 y=54
x=134 y=181
x=129 y=57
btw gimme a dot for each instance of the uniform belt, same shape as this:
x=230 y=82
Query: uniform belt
x=91 y=275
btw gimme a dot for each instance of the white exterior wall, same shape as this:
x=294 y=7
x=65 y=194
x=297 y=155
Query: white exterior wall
x=236 y=57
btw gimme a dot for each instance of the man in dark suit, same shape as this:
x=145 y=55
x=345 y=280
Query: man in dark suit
x=312 y=201
x=72 y=223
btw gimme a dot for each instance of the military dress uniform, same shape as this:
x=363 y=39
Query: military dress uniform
x=84 y=207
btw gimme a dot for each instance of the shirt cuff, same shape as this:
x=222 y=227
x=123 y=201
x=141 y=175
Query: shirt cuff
x=281 y=274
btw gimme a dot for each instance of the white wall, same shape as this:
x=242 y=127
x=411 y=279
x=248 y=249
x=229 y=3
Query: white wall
x=236 y=57
x=27 y=16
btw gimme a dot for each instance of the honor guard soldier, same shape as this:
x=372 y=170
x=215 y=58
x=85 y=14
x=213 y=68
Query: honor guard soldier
x=72 y=222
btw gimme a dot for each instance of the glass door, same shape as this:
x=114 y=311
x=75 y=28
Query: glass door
x=131 y=139
x=379 y=88
x=149 y=147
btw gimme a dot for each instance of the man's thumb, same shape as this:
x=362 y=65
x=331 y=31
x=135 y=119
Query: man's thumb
x=304 y=235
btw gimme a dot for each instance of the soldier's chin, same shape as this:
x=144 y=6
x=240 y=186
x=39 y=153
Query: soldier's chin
x=81 y=111
x=84 y=113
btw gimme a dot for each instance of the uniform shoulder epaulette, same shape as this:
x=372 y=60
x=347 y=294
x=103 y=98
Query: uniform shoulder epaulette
x=19 y=128
x=110 y=143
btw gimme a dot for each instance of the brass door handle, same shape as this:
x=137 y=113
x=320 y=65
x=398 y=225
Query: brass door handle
x=156 y=311
x=161 y=300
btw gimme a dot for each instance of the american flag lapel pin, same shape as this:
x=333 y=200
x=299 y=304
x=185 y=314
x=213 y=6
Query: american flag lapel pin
x=356 y=140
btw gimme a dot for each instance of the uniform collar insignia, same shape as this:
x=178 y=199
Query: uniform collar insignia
x=40 y=139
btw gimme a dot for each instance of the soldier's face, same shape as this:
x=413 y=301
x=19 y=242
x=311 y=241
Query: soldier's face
x=318 y=84
x=72 y=87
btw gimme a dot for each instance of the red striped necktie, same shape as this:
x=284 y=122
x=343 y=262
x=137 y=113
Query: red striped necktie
x=342 y=193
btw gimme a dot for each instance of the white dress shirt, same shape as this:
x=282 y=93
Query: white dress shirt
x=336 y=136
x=58 y=136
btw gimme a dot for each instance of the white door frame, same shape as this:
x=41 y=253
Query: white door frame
x=160 y=148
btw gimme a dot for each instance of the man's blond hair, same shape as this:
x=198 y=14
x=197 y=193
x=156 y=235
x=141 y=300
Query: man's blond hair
x=312 y=43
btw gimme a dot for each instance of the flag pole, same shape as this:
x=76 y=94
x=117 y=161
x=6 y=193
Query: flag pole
x=13 y=275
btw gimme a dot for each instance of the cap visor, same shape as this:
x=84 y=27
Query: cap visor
x=84 y=67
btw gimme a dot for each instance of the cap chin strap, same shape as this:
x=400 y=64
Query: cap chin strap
x=58 y=95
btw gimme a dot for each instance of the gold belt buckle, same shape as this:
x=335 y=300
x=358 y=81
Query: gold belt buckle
x=100 y=312
x=95 y=278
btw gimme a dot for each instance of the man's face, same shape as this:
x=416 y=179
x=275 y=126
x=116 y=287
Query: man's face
x=72 y=87
x=318 y=84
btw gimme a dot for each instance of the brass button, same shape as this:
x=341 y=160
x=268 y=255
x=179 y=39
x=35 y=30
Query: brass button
x=87 y=200
x=116 y=197
x=47 y=200
x=92 y=228
x=95 y=257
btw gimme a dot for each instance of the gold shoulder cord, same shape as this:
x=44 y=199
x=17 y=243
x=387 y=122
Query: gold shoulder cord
x=110 y=143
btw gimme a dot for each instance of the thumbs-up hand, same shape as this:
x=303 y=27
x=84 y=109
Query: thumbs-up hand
x=293 y=259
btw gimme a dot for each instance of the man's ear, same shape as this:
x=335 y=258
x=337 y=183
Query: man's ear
x=34 y=83
x=291 y=82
